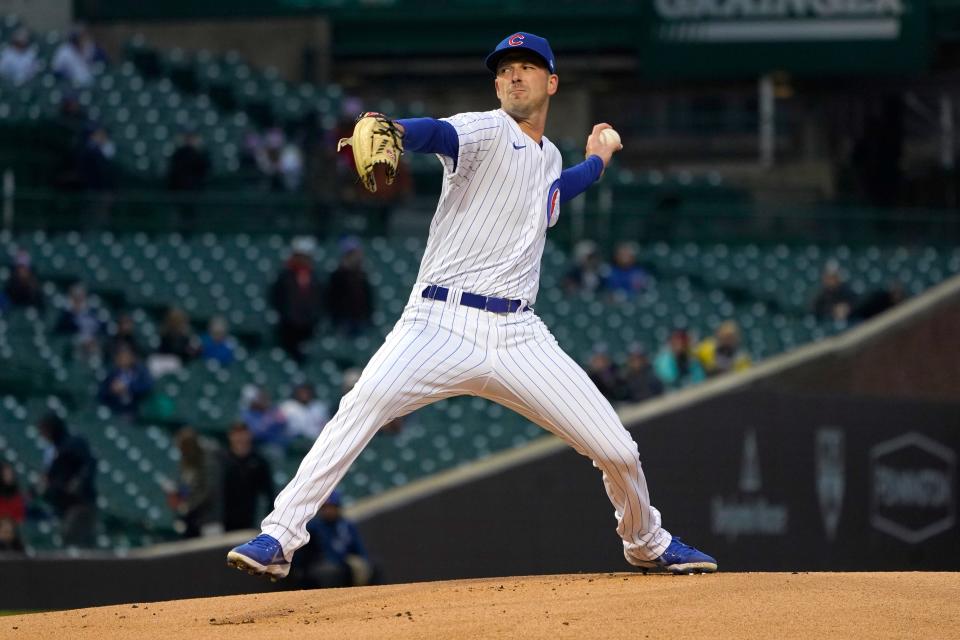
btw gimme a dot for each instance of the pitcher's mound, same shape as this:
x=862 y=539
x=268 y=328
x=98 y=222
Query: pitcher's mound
x=610 y=605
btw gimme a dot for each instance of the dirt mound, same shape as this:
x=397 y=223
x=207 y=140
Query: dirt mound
x=611 y=605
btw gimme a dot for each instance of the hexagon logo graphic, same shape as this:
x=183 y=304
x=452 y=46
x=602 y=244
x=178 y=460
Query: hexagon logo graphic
x=912 y=487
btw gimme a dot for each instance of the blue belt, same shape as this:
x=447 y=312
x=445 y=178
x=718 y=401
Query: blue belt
x=487 y=303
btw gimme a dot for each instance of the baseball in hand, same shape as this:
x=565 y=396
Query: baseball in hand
x=610 y=136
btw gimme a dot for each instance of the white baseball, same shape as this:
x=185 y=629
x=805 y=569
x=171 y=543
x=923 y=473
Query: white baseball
x=610 y=136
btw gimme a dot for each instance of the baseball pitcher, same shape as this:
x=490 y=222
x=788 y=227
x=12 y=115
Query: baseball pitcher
x=469 y=326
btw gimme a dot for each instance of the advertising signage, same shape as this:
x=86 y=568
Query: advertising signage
x=710 y=38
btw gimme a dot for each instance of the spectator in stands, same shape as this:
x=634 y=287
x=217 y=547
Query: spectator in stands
x=189 y=165
x=297 y=296
x=177 y=340
x=80 y=321
x=75 y=129
x=876 y=302
x=10 y=541
x=68 y=484
x=188 y=170
x=272 y=146
x=306 y=416
x=69 y=63
x=12 y=503
x=281 y=161
x=278 y=160
x=217 y=344
x=624 y=274
x=835 y=299
x=246 y=478
x=336 y=555
x=266 y=422
x=95 y=168
x=723 y=351
x=195 y=499
x=124 y=335
x=603 y=372
x=675 y=365
x=254 y=162
x=126 y=384
x=23 y=287
x=349 y=295
x=12 y=510
x=585 y=275
x=72 y=116
x=18 y=59
x=290 y=167
x=92 y=52
x=637 y=381
x=74 y=61
x=251 y=153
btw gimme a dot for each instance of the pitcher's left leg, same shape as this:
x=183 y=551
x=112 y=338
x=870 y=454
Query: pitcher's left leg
x=535 y=378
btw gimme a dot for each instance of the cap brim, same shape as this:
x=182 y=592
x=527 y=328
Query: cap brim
x=494 y=57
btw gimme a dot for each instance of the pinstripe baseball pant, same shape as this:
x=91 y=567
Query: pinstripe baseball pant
x=442 y=349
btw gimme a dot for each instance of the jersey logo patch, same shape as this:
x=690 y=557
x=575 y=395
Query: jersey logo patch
x=517 y=146
x=515 y=40
x=553 y=204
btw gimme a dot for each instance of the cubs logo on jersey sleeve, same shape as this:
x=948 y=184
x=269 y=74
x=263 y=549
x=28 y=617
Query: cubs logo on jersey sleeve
x=553 y=203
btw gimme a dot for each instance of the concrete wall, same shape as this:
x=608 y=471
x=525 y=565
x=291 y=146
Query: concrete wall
x=268 y=42
x=42 y=15
x=764 y=481
x=64 y=582
x=919 y=360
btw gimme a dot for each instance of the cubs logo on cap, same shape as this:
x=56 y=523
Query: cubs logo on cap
x=523 y=40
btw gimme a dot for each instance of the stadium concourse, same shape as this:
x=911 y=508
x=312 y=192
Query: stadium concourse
x=745 y=606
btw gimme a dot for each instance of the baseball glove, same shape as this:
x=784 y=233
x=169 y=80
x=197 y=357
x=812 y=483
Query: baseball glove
x=375 y=140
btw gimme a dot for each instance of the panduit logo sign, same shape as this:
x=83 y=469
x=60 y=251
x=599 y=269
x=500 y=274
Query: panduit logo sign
x=913 y=487
x=779 y=20
x=748 y=512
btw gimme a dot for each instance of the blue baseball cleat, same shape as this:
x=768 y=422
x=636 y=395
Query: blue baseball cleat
x=261 y=556
x=681 y=558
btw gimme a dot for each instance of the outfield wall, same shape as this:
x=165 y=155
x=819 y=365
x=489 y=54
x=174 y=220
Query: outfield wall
x=763 y=480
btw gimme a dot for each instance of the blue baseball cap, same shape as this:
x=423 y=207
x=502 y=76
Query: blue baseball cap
x=522 y=40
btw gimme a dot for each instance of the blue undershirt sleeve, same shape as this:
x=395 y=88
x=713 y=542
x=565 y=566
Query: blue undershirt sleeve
x=427 y=135
x=576 y=179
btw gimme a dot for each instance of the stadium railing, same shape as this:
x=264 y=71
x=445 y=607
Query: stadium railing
x=606 y=218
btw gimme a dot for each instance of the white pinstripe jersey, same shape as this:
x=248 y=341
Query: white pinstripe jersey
x=488 y=232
